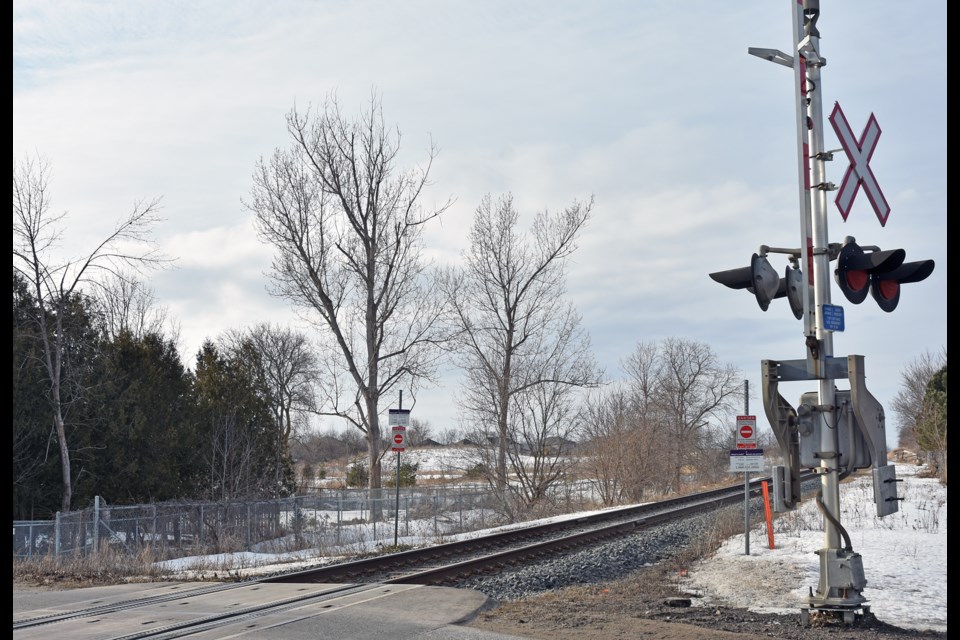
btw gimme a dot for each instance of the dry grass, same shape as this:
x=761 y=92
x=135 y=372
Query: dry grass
x=116 y=567
x=727 y=522
x=103 y=568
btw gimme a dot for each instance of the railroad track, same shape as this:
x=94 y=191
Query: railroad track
x=442 y=564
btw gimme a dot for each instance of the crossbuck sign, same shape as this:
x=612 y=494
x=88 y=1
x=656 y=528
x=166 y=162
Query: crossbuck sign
x=859 y=172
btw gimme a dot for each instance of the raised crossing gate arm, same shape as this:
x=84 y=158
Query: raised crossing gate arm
x=872 y=425
x=857 y=417
x=869 y=412
x=783 y=420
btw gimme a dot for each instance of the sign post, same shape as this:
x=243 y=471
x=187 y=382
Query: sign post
x=399 y=421
x=746 y=439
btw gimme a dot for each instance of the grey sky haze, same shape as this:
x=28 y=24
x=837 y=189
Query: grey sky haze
x=655 y=108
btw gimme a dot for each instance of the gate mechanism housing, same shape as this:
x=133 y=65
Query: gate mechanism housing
x=856 y=419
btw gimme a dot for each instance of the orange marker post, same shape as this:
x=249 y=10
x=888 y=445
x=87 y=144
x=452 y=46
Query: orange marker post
x=766 y=509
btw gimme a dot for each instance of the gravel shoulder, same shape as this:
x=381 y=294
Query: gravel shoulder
x=644 y=605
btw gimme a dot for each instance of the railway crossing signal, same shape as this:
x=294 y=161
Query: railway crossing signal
x=859 y=271
x=809 y=434
x=879 y=272
x=885 y=287
x=761 y=279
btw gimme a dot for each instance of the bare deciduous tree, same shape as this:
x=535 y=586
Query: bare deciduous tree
x=126 y=303
x=420 y=431
x=515 y=332
x=694 y=391
x=621 y=453
x=648 y=469
x=347 y=228
x=547 y=417
x=667 y=415
x=602 y=452
x=55 y=282
x=229 y=459
x=908 y=404
x=286 y=365
x=932 y=426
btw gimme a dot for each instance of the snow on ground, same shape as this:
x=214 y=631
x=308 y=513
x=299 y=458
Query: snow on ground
x=904 y=554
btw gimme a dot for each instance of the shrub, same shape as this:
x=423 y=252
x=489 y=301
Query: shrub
x=408 y=476
x=357 y=474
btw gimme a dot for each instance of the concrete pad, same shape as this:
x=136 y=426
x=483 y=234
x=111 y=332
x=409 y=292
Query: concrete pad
x=316 y=611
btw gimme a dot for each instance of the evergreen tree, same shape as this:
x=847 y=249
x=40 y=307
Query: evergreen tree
x=37 y=452
x=932 y=425
x=237 y=427
x=36 y=473
x=143 y=412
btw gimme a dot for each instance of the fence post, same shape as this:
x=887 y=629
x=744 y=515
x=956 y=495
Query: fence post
x=96 y=524
x=376 y=506
x=297 y=521
x=339 y=514
x=56 y=537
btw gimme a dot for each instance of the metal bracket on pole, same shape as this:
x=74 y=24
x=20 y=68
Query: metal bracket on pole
x=773 y=55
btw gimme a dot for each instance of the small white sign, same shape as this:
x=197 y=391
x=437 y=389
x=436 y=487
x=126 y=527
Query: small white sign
x=398 y=439
x=399 y=417
x=746 y=460
x=746 y=432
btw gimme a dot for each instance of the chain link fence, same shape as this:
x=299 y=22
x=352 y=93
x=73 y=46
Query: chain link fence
x=334 y=518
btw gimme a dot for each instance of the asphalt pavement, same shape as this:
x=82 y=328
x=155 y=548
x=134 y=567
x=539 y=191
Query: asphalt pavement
x=315 y=612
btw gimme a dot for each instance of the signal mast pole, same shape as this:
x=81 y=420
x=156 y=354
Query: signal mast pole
x=808 y=49
x=832 y=432
x=841 y=570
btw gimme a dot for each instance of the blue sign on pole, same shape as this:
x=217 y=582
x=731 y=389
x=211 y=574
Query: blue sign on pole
x=832 y=317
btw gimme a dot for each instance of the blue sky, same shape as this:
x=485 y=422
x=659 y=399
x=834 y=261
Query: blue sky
x=655 y=108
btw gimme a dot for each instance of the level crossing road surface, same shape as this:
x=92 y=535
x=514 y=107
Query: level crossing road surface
x=383 y=612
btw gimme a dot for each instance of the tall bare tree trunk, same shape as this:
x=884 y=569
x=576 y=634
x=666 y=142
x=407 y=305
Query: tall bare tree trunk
x=515 y=333
x=347 y=227
x=55 y=284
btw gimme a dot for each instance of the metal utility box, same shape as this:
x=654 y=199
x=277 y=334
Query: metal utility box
x=885 y=490
x=848 y=439
x=781 y=481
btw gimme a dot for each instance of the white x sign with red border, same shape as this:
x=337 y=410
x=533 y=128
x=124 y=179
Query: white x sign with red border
x=859 y=172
